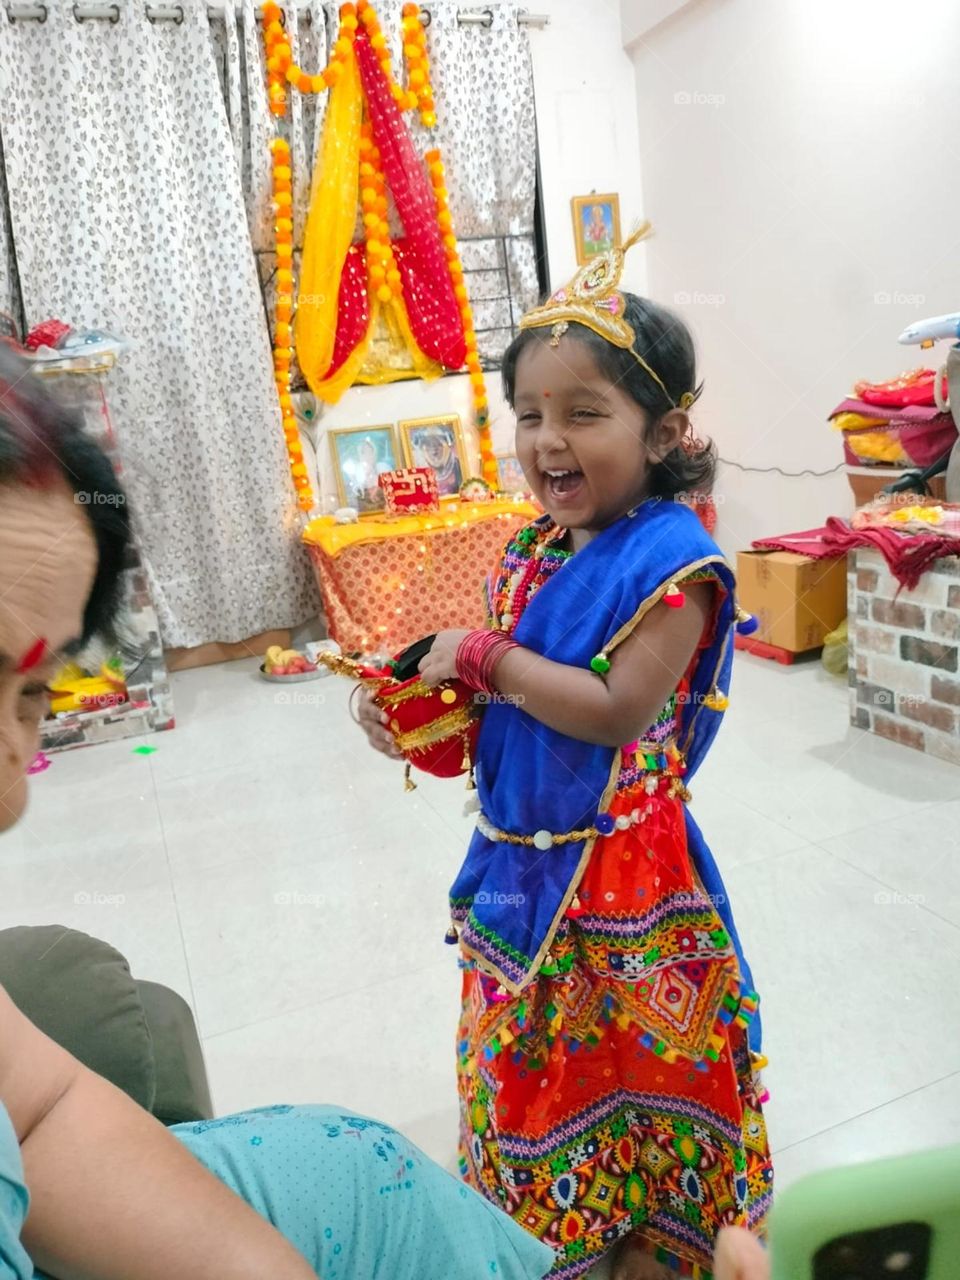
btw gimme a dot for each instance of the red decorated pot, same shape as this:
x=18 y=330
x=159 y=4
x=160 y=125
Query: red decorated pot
x=436 y=728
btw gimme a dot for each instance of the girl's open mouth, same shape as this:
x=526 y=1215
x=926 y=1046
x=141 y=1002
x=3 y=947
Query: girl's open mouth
x=563 y=486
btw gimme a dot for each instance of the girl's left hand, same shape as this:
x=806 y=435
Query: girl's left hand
x=441 y=662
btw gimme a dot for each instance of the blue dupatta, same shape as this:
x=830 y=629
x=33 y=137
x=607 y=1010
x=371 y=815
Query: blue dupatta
x=510 y=899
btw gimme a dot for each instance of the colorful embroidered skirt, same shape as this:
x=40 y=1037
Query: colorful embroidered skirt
x=617 y=1097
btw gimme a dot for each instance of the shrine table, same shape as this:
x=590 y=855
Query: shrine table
x=386 y=581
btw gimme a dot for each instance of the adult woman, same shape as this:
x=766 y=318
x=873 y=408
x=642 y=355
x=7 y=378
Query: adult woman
x=83 y=1144
x=112 y=1194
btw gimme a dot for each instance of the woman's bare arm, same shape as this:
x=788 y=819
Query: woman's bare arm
x=113 y=1196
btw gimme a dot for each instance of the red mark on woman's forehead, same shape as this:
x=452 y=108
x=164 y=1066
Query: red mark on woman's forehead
x=546 y=395
x=33 y=657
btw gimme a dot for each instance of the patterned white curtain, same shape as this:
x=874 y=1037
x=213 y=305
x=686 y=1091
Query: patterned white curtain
x=486 y=130
x=124 y=150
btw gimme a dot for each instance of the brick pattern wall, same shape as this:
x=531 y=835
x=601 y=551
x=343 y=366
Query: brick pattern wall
x=904 y=651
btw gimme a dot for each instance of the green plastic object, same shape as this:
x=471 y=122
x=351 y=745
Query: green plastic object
x=835 y=655
x=901 y=1199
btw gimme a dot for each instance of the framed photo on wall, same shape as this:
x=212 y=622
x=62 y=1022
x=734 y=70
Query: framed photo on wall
x=510 y=477
x=437 y=442
x=360 y=456
x=596 y=225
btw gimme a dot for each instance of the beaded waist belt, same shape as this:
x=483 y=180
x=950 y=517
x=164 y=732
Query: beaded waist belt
x=604 y=824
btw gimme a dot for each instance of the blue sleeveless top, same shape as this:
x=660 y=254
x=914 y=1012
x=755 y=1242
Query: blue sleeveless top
x=14 y=1263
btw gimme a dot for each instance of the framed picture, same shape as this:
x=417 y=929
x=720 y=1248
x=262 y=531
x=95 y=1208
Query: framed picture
x=596 y=225
x=360 y=456
x=436 y=442
x=510 y=477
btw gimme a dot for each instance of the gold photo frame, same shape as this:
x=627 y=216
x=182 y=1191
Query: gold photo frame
x=510 y=477
x=360 y=456
x=437 y=442
x=596 y=225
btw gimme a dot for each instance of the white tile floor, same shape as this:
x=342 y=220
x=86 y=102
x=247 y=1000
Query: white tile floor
x=270 y=867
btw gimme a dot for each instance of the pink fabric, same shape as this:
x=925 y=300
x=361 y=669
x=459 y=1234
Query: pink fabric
x=923 y=440
x=421 y=260
x=908 y=555
x=886 y=413
x=809 y=543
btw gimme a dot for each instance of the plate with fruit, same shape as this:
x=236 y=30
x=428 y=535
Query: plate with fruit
x=287 y=665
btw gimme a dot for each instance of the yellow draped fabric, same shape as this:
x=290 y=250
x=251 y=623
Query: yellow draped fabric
x=876 y=445
x=326 y=242
x=329 y=232
x=332 y=538
x=854 y=422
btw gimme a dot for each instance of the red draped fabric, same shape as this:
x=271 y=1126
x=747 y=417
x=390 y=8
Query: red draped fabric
x=353 y=309
x=427 y=288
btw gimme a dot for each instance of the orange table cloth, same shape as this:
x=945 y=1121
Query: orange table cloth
x=388 y=581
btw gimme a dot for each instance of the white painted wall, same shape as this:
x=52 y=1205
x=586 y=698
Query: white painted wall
x=638 y=17
x=806 y=188
x=588 y=137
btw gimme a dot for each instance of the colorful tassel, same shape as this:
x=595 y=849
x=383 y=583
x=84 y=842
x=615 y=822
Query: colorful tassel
x=746 y=622
x=716 y=700
x=673 y=597
x=451 y=937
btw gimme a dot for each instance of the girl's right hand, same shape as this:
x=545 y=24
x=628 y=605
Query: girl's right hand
x=374 y=723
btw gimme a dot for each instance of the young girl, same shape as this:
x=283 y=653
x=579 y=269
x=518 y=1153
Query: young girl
x=608 y=1088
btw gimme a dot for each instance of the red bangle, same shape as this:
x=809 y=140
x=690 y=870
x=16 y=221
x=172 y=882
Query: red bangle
x=478 y=654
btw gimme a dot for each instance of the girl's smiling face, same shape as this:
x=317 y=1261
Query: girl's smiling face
x=585 y=445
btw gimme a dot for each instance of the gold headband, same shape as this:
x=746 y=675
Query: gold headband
x=592 y=299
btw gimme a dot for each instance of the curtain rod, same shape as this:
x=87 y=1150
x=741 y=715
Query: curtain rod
x=174 y=13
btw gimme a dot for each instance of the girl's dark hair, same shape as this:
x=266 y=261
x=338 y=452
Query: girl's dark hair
x=42 y=443
x=665 y=343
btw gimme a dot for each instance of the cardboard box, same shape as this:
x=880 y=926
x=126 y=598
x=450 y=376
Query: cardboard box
x=866 y=483
x=795 y=599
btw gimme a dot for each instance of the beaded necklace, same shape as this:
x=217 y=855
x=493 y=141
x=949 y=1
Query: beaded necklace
x=533 y=556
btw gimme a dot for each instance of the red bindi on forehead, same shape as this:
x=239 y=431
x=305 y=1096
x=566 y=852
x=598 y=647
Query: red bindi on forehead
x=33 y=657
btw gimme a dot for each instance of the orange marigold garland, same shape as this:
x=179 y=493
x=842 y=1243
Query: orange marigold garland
x=419 y=89
x=283 y=331
x=382 y=271
x=481 y=408
x=282 y=69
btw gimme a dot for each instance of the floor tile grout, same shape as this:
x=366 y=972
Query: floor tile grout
x=881 y=1106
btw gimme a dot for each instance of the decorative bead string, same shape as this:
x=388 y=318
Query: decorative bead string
x=514 y=596
x=382 y=272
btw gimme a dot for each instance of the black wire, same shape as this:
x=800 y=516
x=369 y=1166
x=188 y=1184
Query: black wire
x=777 y=470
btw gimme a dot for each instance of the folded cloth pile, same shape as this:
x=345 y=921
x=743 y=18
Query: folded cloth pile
x=908 y=554
x=897 y=423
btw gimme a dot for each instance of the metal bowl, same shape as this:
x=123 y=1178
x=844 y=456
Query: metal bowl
x=297 y=679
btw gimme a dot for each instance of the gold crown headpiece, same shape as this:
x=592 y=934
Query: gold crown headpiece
x=593 y=299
